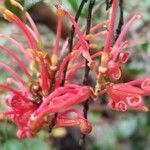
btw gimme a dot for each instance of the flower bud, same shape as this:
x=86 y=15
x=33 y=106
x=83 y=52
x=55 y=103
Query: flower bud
x=85 y=126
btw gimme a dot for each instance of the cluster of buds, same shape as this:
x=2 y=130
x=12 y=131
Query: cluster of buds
x=34 y=100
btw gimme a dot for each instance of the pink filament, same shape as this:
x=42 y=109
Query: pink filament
x=101 y=33
x=111 y=26
x=29 y=19
x=17 y=44
x=61 y=70
x=78 y=66
x=19 y=62
x=15 y=74
x=117 y=50
x=125 y=29
x=44 y=77
x=99 y=25
x=79 y=33
x=30 y=38
x=58 y=34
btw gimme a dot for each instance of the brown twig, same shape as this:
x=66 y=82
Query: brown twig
x=108 y=4
x=87 y=69
x=121 y=21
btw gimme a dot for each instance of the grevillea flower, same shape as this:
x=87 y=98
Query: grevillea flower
x=113 y=58
x=33 y=101
x=37 y=98
x=124 y=96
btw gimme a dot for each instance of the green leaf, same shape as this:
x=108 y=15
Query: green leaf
x=29 y=3
x=125 y=128
x=36 y=144
x=27 y=144
x=144 y=47
x=14 y=9
x=14 y=145
x=73 y=4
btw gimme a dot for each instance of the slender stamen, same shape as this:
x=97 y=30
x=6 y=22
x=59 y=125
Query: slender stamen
x=99 y=34
x=8 y=15
x=17 y=44
x=60 y=71
x=32 y=23
x=60 y=14
x=79 y=33
x=111 y=26
x=64 y=46
x=117 y=50
x=125 y=29
x=78 y=66
x=15 y=74
x=32 y=32
x=44 y=78
x=98 y=26
x=18 y=61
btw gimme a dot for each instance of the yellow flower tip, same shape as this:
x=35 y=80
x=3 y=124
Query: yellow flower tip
x=8 y=15
x=31 y=51
x=2 y=116
x=2 y=9
x=40 y=54
x=102 y=69
x=89 y=37
x=93 y=46
x=145 y=109
x=13 y=2
x=36 y=53
x=34 y=66
x=54 y=60
x=45 y=93
x=60 y=12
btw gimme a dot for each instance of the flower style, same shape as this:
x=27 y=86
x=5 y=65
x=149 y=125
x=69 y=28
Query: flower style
x=33 y=101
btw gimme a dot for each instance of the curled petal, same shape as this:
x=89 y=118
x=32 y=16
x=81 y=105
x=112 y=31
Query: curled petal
x=116 y=74
x=123 y=57
x=146 y=85
x=121 y=106
x=135 y=102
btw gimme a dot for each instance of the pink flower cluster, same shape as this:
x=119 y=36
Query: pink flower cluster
x=33 y=101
